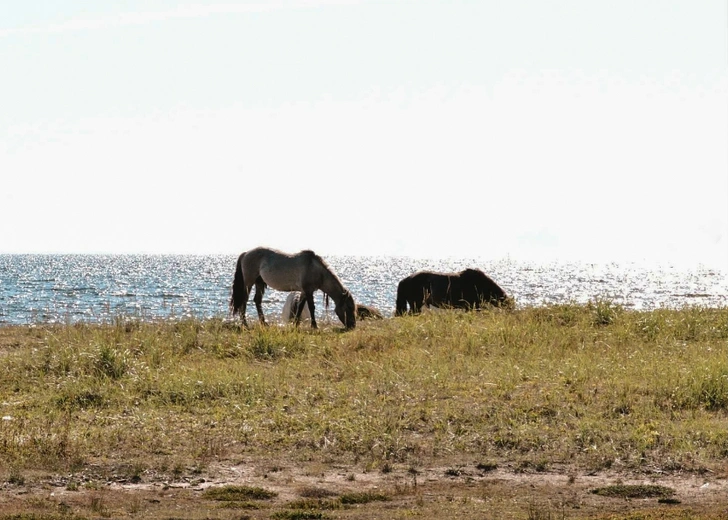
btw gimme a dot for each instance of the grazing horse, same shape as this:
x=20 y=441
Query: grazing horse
x=468 y=289
x=304 y=271
x=290 y=309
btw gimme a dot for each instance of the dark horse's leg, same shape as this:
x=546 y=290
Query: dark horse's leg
x=478 y=300
x=258 y=298
x=423 y=299
x=403 y=290
x=307 y=299
x=244 y=306
x=243 y=310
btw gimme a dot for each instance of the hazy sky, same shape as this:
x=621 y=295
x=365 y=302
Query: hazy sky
x=522 y=129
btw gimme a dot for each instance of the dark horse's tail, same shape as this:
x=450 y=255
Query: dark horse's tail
x=240 y=293
x=401 y=298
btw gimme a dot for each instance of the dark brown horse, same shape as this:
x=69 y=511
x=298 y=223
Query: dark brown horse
x=304 y=271
x=468 y=289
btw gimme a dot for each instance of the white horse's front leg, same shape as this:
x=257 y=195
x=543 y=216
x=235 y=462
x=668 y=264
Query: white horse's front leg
x=297 y=308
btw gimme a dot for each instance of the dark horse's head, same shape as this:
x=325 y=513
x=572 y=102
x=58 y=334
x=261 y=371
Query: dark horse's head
x=414 y=291
x=487 y=290
x=346 y=310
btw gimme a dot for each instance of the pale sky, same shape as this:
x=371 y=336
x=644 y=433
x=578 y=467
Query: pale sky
x=523 y=129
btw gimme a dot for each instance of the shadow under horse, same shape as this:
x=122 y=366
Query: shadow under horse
x=468 y=289
x=304 y=271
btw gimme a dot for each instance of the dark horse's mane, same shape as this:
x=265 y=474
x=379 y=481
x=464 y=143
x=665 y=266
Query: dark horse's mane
x=313 y=256
x=468 y=289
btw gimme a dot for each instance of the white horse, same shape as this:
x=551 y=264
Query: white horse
x=290 y=307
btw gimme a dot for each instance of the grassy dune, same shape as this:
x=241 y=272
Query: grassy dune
x=587 y=387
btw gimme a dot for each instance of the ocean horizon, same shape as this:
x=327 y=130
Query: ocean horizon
x=94 y=288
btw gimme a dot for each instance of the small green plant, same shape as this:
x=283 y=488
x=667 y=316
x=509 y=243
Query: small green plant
x=78 y=397
x=310 y=504
x=634 y=491
x=712 y=390
x=604 y=312
x=316 y=492
x=363 y=498
x=16 y=478
x=299 y=515
x=110 y=363
x=238 y=493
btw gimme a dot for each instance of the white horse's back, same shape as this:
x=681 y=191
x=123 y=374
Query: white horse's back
x=288 y=313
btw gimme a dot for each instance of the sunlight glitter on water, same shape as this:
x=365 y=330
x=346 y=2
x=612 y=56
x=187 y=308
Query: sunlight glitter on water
x=96 y=288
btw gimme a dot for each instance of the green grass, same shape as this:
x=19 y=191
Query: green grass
x=238 y=493
x=587 y=385
x=299 y=515
x=362 y=498
x=634 y=491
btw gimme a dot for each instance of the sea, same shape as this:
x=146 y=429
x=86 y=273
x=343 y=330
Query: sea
x=67 y=289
